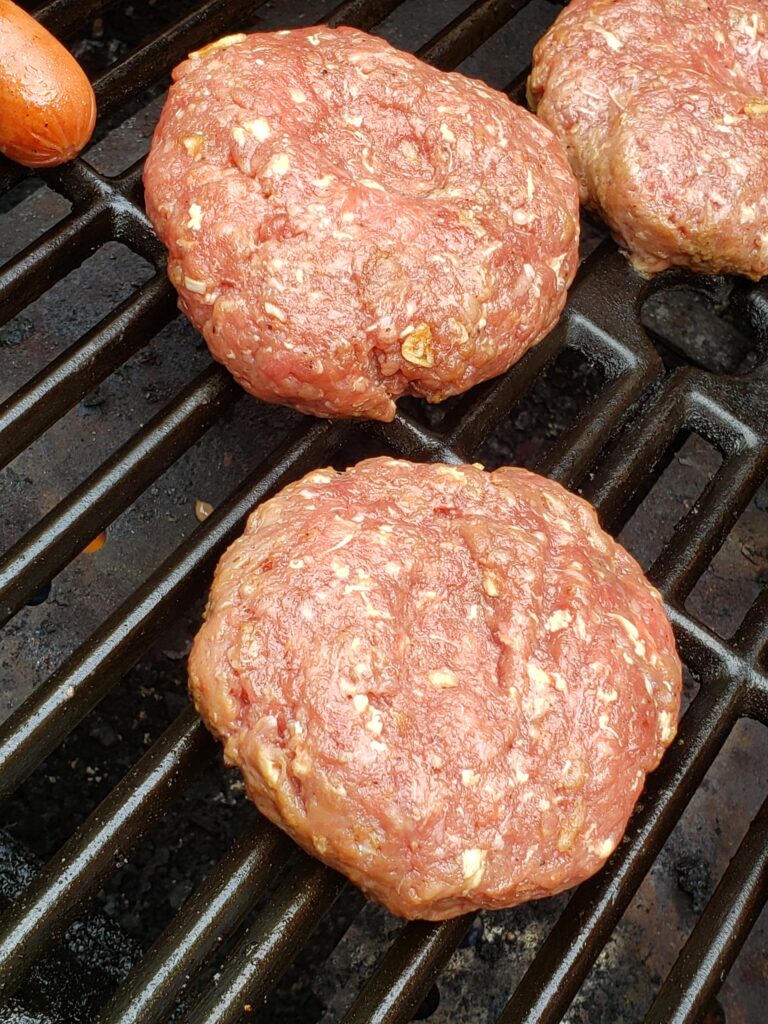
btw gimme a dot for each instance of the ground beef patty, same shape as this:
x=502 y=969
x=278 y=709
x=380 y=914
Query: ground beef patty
x=346 y=224
x=446 y=683
x=661 y=105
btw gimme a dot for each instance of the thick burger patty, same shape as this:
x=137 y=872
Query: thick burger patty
x=661 y=106
x=346 y=224
x=446 y=683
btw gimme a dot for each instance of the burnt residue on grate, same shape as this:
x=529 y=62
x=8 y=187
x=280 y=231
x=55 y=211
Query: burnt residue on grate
x=649 y=398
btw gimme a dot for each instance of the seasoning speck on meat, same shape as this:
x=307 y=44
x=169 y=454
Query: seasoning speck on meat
x=346 y=225
x=662 y=107
x=447 y=684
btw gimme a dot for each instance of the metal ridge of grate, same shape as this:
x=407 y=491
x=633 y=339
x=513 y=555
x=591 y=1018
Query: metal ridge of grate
x=623 y=435
x=216 y=909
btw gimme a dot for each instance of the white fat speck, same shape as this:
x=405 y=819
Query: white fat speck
x=490 y=584
x=375 y=725
x=378 y=746
x=474 y=611
x=560 y=683
x=297 y=95
x=747 y=215
x=386 y=528
x=557 y=263
x=521 y=776
x=238 y=134
x=314 y=39
x=340 y=570
x=473 y=865
x=195 y=217
x=278 y=165
x=605 y=848
x=219 y=44
x=719 y=37
x=392 y=569
x=629 y=627
x=544 y=804
x=613 y=40
x=522 y=217
x=296 y=563
x=370 y=183
x=442 y=678
x=537 y=675
x=307 y=613
x=667 y=728
x=258 y=128
x=446 y=133
x=275 y=312
x=192 y=285
x=608 y=696
x=451 y=471
x=529 y=183
x=558 y=620
x=360 y=702
x=469 y=777
x=348 y=217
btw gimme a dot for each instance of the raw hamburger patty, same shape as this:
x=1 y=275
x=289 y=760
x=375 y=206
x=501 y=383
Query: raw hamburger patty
x=446 y=683
x=661 y=106
x=346 y=225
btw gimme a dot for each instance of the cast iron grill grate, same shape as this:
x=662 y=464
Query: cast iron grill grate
x=613 y=453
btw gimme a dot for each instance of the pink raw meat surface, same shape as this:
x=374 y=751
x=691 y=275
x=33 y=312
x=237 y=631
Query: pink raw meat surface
x=661 y=106
x=346 y=224
x=446 y=683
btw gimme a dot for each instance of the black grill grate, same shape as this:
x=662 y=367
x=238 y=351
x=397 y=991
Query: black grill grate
x=613 y=454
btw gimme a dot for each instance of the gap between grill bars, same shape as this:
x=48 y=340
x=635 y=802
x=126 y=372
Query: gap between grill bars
x=610 y=452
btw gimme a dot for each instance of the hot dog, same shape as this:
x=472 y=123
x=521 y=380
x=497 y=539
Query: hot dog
x=47 y=106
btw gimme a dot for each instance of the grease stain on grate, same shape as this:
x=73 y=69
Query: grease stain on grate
x=734 y=578
x=682 y=482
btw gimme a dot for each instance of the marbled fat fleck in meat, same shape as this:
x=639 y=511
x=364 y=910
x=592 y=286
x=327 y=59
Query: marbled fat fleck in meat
x=662 y=106
x=446 y=683
x=346 y=224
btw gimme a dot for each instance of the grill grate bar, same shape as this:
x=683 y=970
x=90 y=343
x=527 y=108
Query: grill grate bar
x=269 y=945
x=43 y=263
x=707 y=524
x=52 y=898
x=60 y=535
x=564 y=959
x=53 y=391
x=362 y=14
x=469 y=31
x=406 y=972
x=62 y=16
x=57 y=705
x=719 y=934
x=216 y=910
x=752 y=636
x=130 y=77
